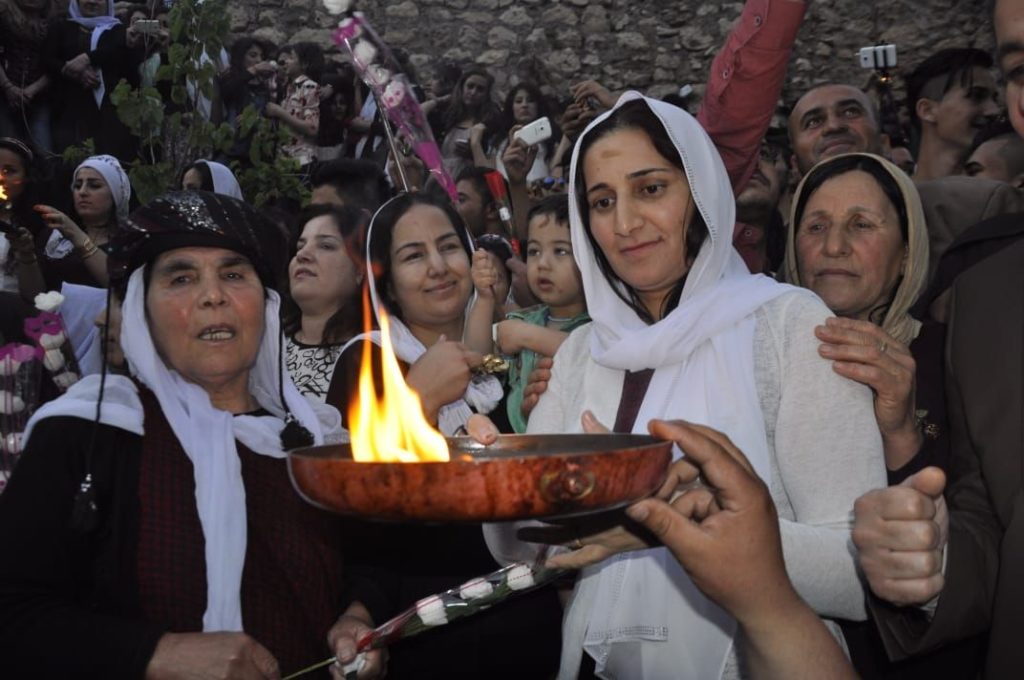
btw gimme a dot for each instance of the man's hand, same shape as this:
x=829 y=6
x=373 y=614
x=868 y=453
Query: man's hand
x=900 y=533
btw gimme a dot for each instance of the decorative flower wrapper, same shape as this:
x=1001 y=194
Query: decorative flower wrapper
x=48 y=332
x=372 y=59
x=499 y=191
x=19 y=396
x=470 y=598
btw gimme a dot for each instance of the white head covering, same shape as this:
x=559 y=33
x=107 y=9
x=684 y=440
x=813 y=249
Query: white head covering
x=224 y=181
x=98 y=25
x=641 y=609
x=116 y=178
x=483 y=393
x=207 y=436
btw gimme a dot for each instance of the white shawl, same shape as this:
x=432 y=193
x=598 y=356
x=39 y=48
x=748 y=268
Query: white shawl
x=702 y=353
x=207 y=436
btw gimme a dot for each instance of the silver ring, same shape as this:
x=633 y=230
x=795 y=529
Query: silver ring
x=883 y=346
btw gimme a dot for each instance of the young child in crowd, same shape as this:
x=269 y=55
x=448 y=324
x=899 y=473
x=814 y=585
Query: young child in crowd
x=299 y=111
x=537 y=331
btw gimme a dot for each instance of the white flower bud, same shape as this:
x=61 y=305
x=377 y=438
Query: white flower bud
x=49 y=302
x=12 y=443
x=520 y=577
x=52 y=341
x=478 y=587
x=65 y=379
x=337 y=6
x=11 y=403
x=431 y=611
x=53 y=360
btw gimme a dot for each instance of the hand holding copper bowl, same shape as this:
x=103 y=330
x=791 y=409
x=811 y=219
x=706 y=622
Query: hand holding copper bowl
x=517 y=477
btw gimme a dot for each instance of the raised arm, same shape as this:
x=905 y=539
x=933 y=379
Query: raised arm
x=746 y=80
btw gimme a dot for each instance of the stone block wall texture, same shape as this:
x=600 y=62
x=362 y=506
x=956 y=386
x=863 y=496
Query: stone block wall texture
x=653 y=45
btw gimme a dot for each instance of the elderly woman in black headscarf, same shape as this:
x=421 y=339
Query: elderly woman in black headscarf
x=184 y=552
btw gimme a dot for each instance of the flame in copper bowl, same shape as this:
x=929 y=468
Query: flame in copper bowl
x=518 y=477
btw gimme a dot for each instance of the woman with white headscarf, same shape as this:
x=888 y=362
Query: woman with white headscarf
x=211 y=176
x=681 y=330
x=71 y=251
x=151 y=528
x=418 y=260
x=86 y=56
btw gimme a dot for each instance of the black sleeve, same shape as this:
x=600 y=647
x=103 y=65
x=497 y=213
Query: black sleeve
x=53 y=53
x=56 y=619
x=116 y=58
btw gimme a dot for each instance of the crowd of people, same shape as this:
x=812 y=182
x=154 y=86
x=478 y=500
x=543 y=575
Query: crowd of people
x=823 y=315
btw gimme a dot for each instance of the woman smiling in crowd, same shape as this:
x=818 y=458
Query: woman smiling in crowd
x=681 y=330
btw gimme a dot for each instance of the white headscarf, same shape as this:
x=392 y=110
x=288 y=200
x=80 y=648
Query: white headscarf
x=702 y=353
x=116 y=178
x=224 y=181
x=98 y=25
x=206 y=434
x=483 y=393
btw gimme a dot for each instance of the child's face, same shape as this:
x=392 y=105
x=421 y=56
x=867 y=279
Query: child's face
x=550 y=268
x=290 y=63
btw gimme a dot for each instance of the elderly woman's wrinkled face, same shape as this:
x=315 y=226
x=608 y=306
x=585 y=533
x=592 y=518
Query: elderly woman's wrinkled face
x=205 y=310
x=639 y=204
x=92 y=197
x=92 y=8
x=430 y=270
x=849 y=245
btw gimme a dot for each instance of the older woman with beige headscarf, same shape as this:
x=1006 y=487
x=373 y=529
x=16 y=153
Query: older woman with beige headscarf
x=859 y=240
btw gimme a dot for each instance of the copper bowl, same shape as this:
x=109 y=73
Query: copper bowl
x=518 y=477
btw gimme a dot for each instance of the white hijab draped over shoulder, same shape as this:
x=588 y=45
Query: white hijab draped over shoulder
x=206 y=434
x=702 y=355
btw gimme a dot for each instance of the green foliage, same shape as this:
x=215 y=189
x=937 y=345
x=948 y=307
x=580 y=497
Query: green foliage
x=75 y=154
x=174 y=134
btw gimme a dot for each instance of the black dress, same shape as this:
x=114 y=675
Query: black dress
x=75 y=114
x=93 y=604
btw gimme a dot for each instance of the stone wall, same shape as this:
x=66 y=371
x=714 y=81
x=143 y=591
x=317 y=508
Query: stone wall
x=654 y=45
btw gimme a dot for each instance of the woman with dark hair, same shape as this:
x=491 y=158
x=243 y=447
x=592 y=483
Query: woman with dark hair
x=524 y=104
x=681 y=330
x=20 y=179
x=68 y=246
x=251 y=80
x=471 y=104
x=859 y=240
x=323 y=310
x=418 y=271
x=184 y=552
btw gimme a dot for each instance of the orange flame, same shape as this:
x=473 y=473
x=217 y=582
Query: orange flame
x=391 y=428
x=3 y=192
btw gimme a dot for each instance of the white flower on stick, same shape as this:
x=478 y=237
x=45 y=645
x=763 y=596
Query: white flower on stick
x=54 y=341
x=49 y=302
x=431 y=611
x=476 y=588
x=11 y=403
x=520 y=577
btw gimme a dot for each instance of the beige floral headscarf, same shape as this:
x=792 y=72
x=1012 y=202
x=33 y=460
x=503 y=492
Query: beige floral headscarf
x=897 y=322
